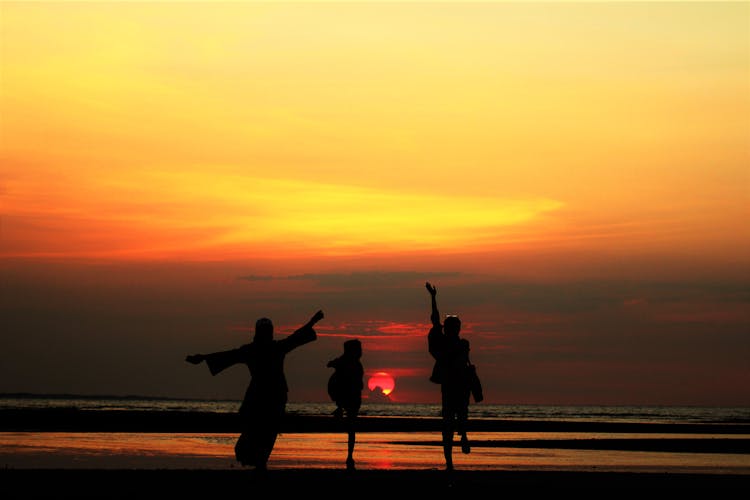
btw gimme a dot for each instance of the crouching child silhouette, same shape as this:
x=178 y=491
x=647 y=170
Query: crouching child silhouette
x=345 y=389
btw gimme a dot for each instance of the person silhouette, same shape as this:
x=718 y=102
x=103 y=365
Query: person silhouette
x=264 y=404
x=345 y=389
x=455 y=374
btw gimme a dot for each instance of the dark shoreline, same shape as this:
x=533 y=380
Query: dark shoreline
x=171 y=483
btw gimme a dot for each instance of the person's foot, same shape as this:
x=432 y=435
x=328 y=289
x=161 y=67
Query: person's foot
x=350 y=464
x=465 y=448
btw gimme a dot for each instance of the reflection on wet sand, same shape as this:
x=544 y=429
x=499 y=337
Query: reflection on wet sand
x=375 y=451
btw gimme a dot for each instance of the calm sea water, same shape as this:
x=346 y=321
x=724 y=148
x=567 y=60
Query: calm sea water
x=647 y=414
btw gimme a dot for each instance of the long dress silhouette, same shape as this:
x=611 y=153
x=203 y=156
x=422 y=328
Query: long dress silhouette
x=264 y=404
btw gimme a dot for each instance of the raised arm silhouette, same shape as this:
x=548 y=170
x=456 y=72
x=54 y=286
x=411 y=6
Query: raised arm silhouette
x=264 y=405
x=455 y=374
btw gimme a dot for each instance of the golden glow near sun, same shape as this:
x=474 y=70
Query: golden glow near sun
x=203 y=211
x=336 y=219
x=383 y=380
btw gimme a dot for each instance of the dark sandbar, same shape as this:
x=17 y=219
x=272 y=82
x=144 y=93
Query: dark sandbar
x=75 y=420
x=326 y=483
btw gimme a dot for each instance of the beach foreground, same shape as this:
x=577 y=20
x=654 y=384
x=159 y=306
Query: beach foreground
x=328 y=483
x=79 y=454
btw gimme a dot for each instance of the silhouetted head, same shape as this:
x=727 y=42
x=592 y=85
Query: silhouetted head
x=353 y=348
x=263 y=330
x=452 y=325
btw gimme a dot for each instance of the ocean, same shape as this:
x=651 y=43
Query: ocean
x=593 y=413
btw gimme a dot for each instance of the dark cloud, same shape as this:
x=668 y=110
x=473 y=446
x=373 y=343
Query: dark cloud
x=581 y=296
x=358 y=279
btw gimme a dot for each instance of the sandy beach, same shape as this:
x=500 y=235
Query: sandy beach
x=407 y=436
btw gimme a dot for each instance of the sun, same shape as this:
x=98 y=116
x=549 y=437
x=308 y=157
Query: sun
x=383 y=380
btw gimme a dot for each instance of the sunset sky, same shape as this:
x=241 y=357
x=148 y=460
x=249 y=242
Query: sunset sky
x=573 y=177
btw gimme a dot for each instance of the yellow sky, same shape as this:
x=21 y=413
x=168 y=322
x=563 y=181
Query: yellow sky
x=192 y=129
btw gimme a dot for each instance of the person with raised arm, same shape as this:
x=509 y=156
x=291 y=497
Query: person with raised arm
x=264 y=404
x=455 y=374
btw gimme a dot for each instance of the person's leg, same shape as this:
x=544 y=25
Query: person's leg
x=249 y=447
x=351 y=421
x=465 y=446
x=350 y=455
x=448 y=449
x=448 y=430
x=270 y=425
x=268 y=442
x=462 y=418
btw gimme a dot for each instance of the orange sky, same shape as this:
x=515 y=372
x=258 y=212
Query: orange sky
x=526 y=141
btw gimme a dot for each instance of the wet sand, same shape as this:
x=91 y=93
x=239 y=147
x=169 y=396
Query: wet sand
x=63 y=482
x=674 y=437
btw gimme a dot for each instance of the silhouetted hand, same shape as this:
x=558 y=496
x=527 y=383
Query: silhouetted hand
x=195 y=359
x=431 y=289
x=316 y=317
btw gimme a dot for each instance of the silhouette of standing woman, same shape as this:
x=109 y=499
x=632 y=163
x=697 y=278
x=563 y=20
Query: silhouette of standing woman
x=265 y=400
x=456 y=376
x=345 y=388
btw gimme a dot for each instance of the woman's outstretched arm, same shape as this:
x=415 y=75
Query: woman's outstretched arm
x=315 y=318
x=218 y=361
x=196 y=359
x=303 y=335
